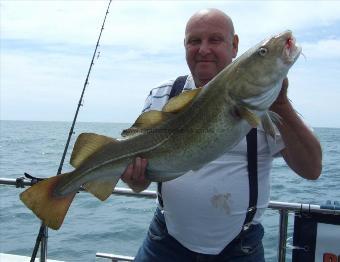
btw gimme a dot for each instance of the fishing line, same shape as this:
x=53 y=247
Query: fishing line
x=43 y=233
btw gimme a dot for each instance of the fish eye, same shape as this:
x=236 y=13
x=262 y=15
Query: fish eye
x=262 y=51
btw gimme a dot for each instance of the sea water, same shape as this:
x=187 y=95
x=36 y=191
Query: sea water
x=119 y=224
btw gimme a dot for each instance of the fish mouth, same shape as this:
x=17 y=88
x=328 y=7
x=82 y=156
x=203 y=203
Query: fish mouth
x=291 y=50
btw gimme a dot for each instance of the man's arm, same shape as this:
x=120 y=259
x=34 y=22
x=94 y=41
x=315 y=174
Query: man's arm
x=302 y=150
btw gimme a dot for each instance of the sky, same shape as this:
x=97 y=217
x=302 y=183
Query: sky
x=46 y=49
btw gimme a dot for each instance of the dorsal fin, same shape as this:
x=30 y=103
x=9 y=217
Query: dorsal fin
x=145 y=121
x=178 y=103
x=86 y=145
x=153 y=118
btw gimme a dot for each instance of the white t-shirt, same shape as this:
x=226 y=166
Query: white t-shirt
x=205 y=209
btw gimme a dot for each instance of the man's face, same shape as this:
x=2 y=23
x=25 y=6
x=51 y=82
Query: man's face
x=210 y=46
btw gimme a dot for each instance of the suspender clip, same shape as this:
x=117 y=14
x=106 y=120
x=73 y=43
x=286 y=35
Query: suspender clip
x=245 y=227
x=251 y=209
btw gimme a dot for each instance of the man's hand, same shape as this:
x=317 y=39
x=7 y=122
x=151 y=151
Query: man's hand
x=134 y=175
x=302 y=150
x=282 y=99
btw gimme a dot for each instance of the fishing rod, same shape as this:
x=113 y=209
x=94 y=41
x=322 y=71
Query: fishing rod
x=82 y=93
x=43 y=232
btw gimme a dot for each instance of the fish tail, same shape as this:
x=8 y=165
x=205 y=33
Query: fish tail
x=51 y=209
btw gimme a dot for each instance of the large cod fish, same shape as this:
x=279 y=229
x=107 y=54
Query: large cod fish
x=192 y=129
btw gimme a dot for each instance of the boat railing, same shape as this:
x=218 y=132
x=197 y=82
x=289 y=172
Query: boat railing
x=284 y=208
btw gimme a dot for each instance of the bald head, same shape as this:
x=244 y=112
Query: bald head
x=209 y=16
x=210 y=44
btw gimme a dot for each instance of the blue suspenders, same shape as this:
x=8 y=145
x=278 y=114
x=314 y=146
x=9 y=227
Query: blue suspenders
x=251 y=137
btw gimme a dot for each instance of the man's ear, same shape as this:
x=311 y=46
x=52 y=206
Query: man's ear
x=235 y=45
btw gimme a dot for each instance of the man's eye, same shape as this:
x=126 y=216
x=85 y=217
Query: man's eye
x=216 y=40
x=194 y=41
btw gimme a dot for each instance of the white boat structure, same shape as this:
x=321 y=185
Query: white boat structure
x=15 y=258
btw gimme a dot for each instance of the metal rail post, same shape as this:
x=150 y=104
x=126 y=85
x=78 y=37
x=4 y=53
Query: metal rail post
x=43 y=245
x=282 y=235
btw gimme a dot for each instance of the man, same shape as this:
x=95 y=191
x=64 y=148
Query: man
x=203 y=212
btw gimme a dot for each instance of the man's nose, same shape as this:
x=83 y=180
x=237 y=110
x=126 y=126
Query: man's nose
x=204 y=48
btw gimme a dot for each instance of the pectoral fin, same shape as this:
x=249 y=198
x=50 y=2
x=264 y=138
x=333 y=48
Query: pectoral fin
x=86 y=145
x=270 y=120
x=275 y=117
x=178 y=103
x=248 y=115
x=268 y=125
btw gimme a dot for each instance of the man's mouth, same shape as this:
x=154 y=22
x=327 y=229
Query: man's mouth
x=205 y=61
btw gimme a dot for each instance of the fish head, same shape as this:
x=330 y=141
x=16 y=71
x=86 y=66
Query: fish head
x=260 y=71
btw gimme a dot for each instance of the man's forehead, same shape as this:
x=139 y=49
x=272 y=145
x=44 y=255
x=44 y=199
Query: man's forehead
x=206 y=33
x=208 y=30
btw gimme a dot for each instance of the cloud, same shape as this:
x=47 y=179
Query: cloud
x=52 y=21
x=46 y=47
x=323 y=49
